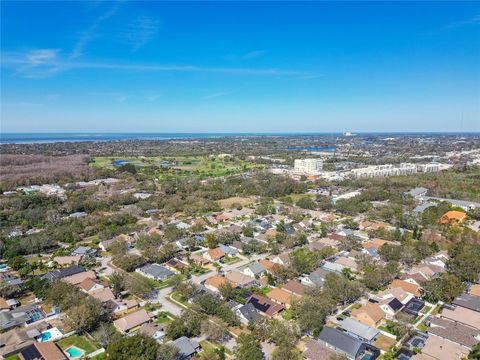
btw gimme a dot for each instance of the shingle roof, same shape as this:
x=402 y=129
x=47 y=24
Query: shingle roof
x=186 y=347
x=456 y=332
x=61 y=273
x=356 y=327
x=249 y=312
x=340 y=340
x=468 y=301
x=157 y=271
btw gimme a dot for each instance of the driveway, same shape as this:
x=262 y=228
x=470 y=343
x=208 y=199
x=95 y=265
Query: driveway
x=167 y=305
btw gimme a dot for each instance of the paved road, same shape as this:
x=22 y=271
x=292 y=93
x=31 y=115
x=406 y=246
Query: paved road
x=105 y=264
x=167 y=305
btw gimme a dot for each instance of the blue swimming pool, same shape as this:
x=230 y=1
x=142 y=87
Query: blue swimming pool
x=367 y=357
x=45 y=336
x=74 y=352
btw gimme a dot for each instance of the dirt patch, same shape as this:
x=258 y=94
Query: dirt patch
x=243 y=201
x=384 y=342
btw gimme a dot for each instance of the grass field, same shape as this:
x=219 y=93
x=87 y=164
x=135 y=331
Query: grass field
x=163 y=168
x=79 y=341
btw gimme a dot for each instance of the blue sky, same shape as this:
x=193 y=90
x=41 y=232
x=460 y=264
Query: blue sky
x=240 y=67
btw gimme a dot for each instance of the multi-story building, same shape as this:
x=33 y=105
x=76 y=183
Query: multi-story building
x=308 y=165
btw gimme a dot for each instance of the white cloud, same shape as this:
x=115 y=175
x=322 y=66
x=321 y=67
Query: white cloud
x=140 y=32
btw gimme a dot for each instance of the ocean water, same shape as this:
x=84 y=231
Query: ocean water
x=32 y=138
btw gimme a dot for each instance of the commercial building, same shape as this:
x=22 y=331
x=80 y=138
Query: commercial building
x=308 y=166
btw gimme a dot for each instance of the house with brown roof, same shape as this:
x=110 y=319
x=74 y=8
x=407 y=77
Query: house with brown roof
x=78 y=278
x=439 y=348
x=281 y=297
x=267 y=264
x=42 y=351
x=281 y=259
x=373 y=225
x=239 y=279
x=215 y=282
x=103 y=295
x=314 y=350
x=475 y=290
x=88 y=285
x=67 y=260
x=377 y=243
x=296 y=288
x=265 y=306
x=4 y=305
x=214 y=254
x=17 y=339
x=406 y=286
x=131 y=321
x=462 y=315
x=369 y=314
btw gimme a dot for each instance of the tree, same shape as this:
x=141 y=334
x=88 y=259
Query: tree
x=106 y=334
x=342 y=289
x=213 y=331
x=187 y=324
x=86 y=315
x=312 y=309
x=286 y=353
x=248 y=348
x=117 y=282
x=17 y=262
x=475 y=353
x=444 y=287
x=306 y=202
x=141 y=348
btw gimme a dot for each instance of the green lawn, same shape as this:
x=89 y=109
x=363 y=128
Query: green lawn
x=422 y=327
x=426 y=309
x=178 y=298
x=80 y=341
x=164 y=317
x=12 y=357
x=231 y=260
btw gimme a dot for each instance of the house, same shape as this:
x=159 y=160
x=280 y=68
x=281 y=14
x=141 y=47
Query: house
x=359 y=330
x=398 y=293
x=462 y=315
x=391 y=307
x=15 y=340
x=438 y=348
x=475 y=290
x=237 y=245
x=347 y=263
x=119 y=307
x=228 y=250
x=406 y=286
x=105 y=244
x=265 y=306
x=373 y=225
x=4 y=306
x=346 y=345
x=377 y=244
x=455 y=332
x=254 y=270
x=453 y=217
x=176 y=265
x=281 y=297
x=247 y=314
x=333 y=267
x=155 y=331
x=131 y=321
x=314 y=350
x=468 y=301
x=417 y=192
x=214 y=254
x=42 y=351
x=239 y=279
x=215 y=282
x=155 y=272
x=267 y=264
x=67 y=260
x=62 y=273
x=281 y=259
x=186 y=347
x=316 y=278
x=79 y=277
x=83 y=251
x=417 y=278
x=103 y=295
x=20 y=316
x=369 y=314
x=88 y=285
x=295 y=288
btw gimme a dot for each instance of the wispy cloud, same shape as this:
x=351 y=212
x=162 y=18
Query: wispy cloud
x=247 y=56
x=153 y=97
x=215 y=95
x=47 y=62
x=140 y=32
x=90 y=33
x=472 y=21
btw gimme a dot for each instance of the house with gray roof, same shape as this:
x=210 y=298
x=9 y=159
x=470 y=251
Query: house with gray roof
x=468 y=301
x=349 y=346
x=230 y=251
x=247 y=313
x=417 y=192
x=316 y=278
x=359 y=330
x=254 y=270
x=20 y=316
x=155 y=272
x=62 y=273
x=187 y=348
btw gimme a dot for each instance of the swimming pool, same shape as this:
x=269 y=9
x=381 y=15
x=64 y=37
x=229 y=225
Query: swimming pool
x=49 y=335
x=74 y=352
